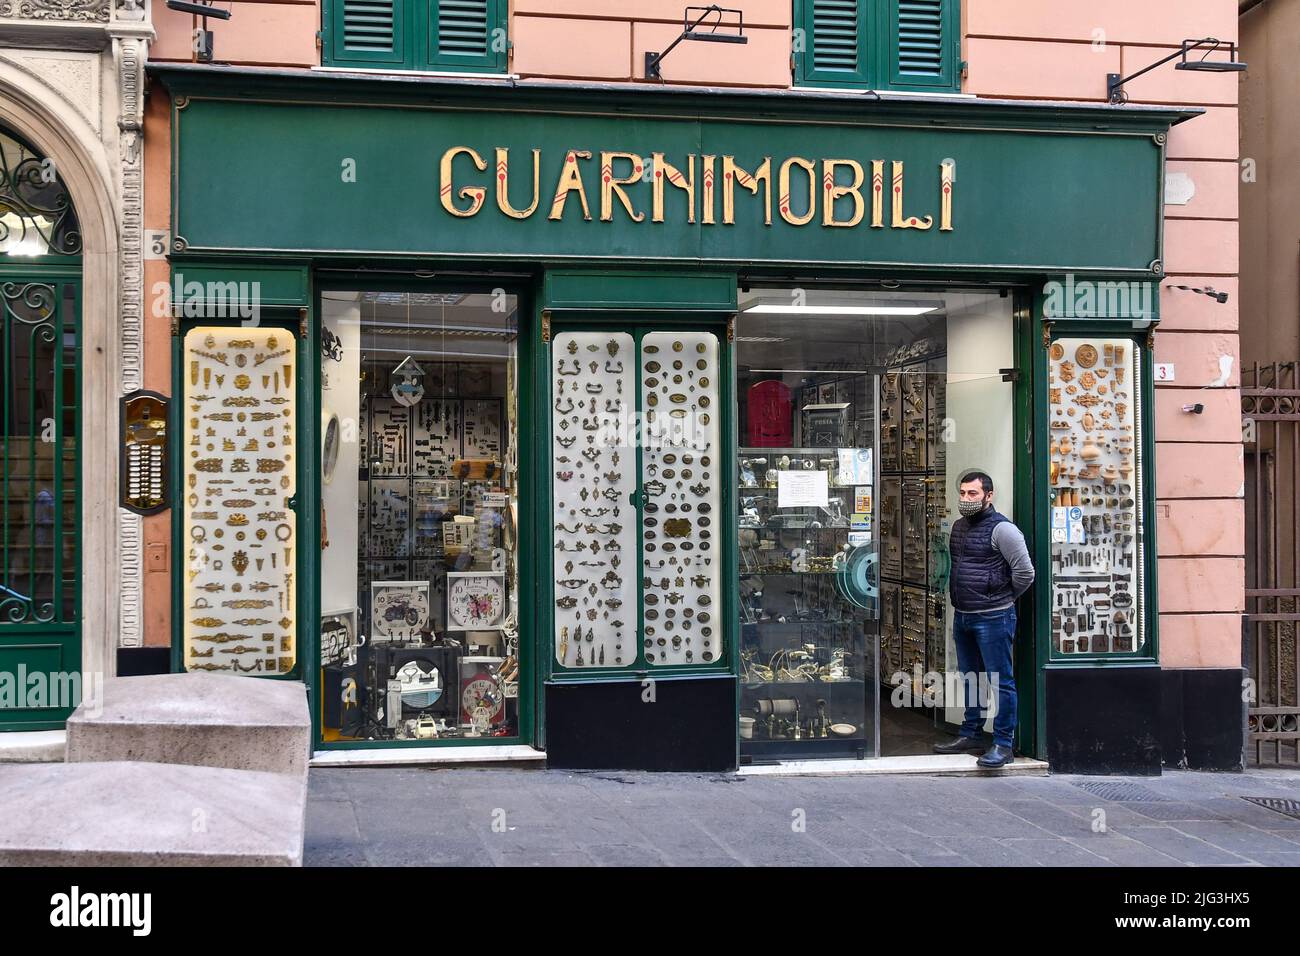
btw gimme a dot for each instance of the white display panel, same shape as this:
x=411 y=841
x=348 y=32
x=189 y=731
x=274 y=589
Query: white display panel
x=681 y=473
x=1096 y=475
x=240 y=474
x=593 y=462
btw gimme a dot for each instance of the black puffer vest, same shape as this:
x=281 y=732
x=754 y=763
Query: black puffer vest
x=981 y=578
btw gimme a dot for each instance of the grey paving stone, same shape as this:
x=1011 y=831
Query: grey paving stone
x=613 y=854
x=459 y=853
x=1237 y=838
x=559 y=858
x=1057 y=853
x=1181 y=846
x=1276 y=859
x=330 y=820
x=1121 y=850
x=985 y=851
x=1170 y=812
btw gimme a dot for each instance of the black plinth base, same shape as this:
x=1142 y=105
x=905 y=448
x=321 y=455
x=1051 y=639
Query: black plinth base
x=1104 y=720
x=686 y=724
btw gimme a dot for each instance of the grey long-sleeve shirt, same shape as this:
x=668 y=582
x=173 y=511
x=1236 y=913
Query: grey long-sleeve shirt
x=1010 y=543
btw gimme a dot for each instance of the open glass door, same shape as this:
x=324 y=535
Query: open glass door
x=858 y=410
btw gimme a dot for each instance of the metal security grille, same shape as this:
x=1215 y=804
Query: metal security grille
x=368 y=25
x=920 y=37
x=1270 y=412
x=462 y=27
x=38 y=490
x=835 y=35
x=1122 y=792
x=1290 y=808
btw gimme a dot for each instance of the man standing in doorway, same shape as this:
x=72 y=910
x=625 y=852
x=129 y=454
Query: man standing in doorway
x=990 y=570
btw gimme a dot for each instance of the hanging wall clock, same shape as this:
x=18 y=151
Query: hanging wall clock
x=476 y=601
x=399 y=610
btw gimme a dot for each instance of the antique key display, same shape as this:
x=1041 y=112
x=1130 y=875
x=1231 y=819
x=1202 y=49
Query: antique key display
x=240 y=475
x=680 y=476
x=1095 y=472
x=593 y=462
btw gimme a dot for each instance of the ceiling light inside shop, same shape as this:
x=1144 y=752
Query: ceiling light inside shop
x=767 y=309
x=763 y=339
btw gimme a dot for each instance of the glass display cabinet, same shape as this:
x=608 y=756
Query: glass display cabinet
x=807 y=602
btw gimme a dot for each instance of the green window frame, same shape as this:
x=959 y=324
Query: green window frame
x=465 y=36
x=910 y=45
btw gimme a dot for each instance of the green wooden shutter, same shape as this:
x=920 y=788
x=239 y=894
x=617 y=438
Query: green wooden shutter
x=924 y=45
x=834 y=48
x=878 y=44
x=464 y=35
x=367 y=33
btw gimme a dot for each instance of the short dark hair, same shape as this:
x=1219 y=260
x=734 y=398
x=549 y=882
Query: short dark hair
x=985 y=481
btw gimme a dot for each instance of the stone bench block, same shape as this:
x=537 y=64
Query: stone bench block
x=208 y=720
x=149 y=814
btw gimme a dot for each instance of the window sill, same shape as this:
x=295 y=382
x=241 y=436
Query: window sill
x=447 y=74
x=850 y=90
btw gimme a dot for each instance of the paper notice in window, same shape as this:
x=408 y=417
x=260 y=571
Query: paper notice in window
x=801 y=489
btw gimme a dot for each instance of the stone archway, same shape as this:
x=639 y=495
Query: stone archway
x=51 y=123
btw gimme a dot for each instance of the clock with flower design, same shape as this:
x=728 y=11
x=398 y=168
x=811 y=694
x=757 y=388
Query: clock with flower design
x=476 y=601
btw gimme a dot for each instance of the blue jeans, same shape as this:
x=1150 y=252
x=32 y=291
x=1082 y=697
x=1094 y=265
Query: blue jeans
x=984 y=643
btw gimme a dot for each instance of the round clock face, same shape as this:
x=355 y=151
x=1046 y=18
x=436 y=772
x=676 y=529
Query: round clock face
x=476 y=690
x=475 y=602
x=329 y=456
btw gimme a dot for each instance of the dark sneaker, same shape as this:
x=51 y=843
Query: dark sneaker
x=997 y=758
x=962 y=745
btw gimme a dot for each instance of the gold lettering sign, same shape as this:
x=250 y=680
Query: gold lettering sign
x=503 y=184
x=611 y=185
x=840 y=203
x=473 y=193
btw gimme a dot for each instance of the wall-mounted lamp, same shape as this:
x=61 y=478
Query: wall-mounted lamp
x=1220 y=297
x=203 y=34
x=1115 y=83
x=690 y=32
x=1194 y=409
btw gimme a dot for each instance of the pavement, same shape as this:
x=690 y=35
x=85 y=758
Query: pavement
x=515 y=817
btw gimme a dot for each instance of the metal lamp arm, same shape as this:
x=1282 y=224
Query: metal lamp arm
x=1115 y=82
x=653 y=60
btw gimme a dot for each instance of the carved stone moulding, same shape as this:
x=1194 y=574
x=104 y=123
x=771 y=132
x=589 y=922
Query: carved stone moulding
x=82 y=11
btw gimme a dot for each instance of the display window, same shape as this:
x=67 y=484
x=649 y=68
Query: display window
x=1098 y=535
x=857 y=413
x=419 y=515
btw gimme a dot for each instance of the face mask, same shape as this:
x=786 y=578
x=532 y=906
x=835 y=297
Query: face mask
x=969 y=509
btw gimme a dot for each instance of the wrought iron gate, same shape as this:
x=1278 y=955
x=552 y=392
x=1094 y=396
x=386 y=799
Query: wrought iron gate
x=1271 y=431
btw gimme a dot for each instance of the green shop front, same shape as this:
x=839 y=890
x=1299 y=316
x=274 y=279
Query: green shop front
x=626 y=424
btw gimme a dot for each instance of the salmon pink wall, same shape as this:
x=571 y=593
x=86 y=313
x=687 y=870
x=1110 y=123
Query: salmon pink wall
x=1042 y=48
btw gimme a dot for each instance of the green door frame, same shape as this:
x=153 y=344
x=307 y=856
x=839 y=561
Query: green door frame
x=58 y=636
x=1044 y=331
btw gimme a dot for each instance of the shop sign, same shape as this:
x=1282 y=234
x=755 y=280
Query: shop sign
x=350 y=180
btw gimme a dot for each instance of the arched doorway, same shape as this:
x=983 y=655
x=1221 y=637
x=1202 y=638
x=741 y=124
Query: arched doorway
x=40 y=438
